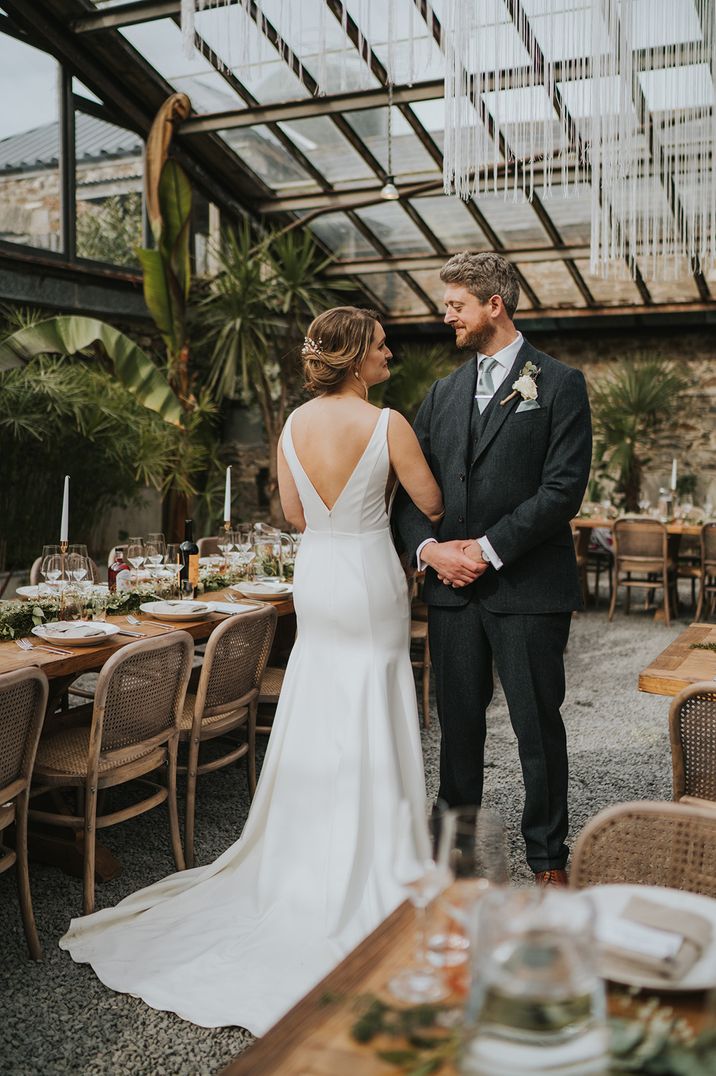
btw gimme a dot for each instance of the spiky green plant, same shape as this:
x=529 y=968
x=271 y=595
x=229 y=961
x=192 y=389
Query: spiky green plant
x=633 y=406
x=416 y=367
x=256 y=313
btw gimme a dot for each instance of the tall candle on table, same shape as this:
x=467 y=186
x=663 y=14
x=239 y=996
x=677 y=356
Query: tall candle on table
x=227 y=497
x=65 y=521
x=673 y=474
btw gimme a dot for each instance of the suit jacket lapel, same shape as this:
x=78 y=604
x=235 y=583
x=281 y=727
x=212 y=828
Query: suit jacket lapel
x=464 y=395
x=498 y=412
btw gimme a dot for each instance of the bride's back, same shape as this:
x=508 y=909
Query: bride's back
x=330 y=435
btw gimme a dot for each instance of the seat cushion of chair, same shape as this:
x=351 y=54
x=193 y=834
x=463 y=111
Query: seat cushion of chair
x=67 y=753
x=187 y=717
x=271 y=684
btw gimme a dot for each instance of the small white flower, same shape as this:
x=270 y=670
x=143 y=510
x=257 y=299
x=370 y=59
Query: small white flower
x=526 y=387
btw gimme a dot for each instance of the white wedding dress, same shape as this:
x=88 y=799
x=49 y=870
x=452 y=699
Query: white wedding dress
x=241 y=940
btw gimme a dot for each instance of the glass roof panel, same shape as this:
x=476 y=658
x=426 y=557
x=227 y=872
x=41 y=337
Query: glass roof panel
x=410 y=158
x=328 y=150
x=451 y=222
x=340 y=236
x=572 y=216
x=514 y=221
x=261 y=151
x=432 y=116
x=680 y=290
x=688 y=86
x=397 y=296
x=619 y=290
x=245 y=50
x=160 y=43
x=650 y=23
x=552 y=283
x=392 y=225
x=429 y=280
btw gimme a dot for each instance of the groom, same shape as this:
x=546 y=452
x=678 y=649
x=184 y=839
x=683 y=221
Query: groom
x=501 y=580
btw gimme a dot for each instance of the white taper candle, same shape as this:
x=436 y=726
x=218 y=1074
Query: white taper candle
x=227 y=497
x=673 y=474
x=65 y=521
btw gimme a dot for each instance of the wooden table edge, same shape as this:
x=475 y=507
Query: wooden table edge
x=263 y=1056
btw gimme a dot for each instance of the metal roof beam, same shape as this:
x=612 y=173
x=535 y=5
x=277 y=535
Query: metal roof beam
x=338 y=103
x=412 y=262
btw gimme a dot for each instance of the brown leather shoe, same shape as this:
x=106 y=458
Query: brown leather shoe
x=553 y=877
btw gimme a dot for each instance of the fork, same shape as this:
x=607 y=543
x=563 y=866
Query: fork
x=25 y=644
x=133 y=620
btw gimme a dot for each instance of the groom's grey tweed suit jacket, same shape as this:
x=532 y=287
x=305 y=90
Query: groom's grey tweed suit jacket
x=521 y=485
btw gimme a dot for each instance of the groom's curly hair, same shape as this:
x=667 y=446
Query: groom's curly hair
x=484 y=275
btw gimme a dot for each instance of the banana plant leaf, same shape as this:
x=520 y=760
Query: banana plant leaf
x=77 y=335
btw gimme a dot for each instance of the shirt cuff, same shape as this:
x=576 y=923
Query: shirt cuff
x=488 y=551
x=421 y=547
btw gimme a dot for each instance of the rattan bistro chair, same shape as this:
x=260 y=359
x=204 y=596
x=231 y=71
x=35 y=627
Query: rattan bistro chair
x=23 y=700
x=707 y=584
x=208 y=546
x=138 y=704
x=692 y=730
x=648 y=843
x=226 y=700
x=641 y=559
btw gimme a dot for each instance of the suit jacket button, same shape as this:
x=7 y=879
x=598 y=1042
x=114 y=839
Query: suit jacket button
x=461 y=519
x=461 y=477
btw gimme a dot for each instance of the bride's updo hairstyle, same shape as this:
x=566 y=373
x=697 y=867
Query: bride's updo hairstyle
x=335 y=346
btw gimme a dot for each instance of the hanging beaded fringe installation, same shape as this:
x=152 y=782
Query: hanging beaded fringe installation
x=336 y=60
x=541 y=97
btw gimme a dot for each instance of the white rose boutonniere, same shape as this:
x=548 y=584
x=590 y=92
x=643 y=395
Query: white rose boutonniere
x=525 y=385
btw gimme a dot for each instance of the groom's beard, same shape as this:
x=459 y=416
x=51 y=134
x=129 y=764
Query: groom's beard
x=477 y=340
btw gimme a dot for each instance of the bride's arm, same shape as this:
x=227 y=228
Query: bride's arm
x=290 y=500
x=412 y=469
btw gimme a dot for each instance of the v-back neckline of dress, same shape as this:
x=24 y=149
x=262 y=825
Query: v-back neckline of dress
x=351 y=476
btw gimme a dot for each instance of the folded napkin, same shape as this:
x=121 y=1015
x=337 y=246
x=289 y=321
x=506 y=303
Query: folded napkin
x=268 y=588
x=653 y=939
x=185 y=606
x=71 y=630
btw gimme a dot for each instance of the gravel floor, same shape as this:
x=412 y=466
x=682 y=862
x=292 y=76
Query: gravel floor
x=55 y=1017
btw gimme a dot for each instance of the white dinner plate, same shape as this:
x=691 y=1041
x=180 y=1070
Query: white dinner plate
x=176 y=610
x=610 y=900
x=76 y=632
x=32 y=592
x=263 y=590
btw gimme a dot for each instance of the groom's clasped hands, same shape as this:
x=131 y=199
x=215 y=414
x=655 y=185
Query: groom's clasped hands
x=457 y=563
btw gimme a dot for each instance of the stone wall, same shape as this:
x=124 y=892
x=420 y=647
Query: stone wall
x=693 y=441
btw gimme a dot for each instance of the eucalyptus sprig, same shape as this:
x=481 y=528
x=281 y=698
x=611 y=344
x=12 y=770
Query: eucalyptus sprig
x=702 y=646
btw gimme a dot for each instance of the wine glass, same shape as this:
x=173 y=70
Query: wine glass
x=478 y=861
x=51 y=568
x=225 y=543
x=78 y=568
x=422 y=869
x=135 y=555
x=173 y=563
x=154 y=549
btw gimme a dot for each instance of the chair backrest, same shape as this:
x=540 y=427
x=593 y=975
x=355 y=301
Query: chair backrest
x=640 y=539
x=140 y=693
x=209 y=545
x=648 y=843
x=236 y=656
x=23 y=700
x=692 y=729
x=36 y=578
x=708 y=543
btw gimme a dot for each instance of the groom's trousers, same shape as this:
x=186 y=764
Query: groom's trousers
x=528 y=652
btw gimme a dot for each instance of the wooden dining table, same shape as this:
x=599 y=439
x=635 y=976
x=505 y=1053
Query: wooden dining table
x=678 y=665
x=61 y=670
x=314 y=1038
x=63 y=848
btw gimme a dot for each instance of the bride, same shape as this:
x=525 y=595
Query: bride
x=243 y=939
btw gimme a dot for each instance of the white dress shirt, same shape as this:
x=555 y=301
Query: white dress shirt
x=505 y=359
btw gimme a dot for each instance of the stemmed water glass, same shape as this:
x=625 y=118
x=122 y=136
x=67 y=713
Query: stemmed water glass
x=422 y=869
x=173 y=563
x=51 y=567
x=155 y=549
x=135 y=555
x=478 y=860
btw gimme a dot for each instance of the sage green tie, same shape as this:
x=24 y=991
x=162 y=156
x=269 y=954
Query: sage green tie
x=485 y=388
